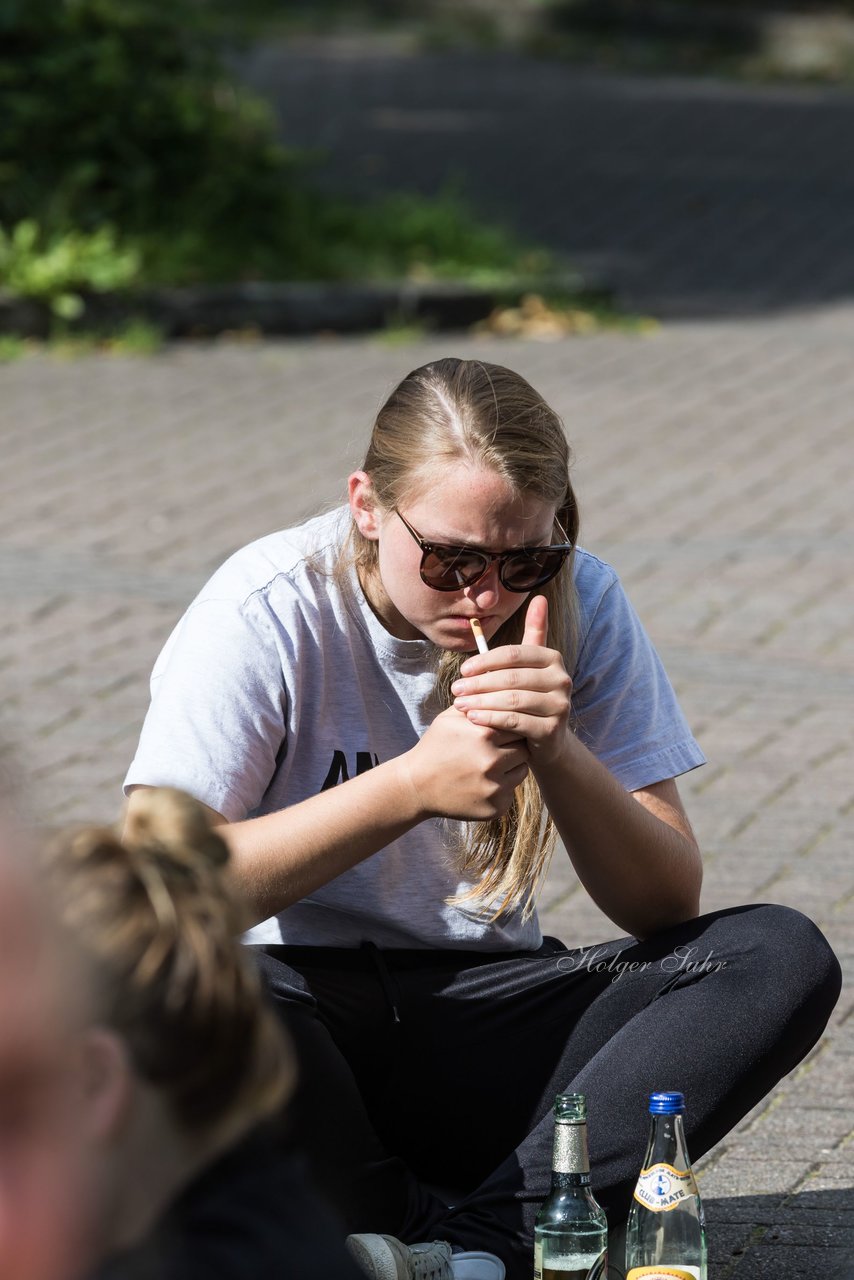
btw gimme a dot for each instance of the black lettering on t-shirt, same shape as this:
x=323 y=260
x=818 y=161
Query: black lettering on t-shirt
x=338 y=771
x=365 y=761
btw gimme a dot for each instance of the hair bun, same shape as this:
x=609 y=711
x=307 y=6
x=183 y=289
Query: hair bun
x=156 y=921
x=168 y=822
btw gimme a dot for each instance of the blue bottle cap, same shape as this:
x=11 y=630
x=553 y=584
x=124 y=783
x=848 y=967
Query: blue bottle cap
x=666 y=1104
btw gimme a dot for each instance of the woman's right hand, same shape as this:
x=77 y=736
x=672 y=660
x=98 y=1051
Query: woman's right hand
x=463 y=770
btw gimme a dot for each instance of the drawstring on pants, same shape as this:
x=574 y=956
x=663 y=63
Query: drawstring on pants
x=384 y=976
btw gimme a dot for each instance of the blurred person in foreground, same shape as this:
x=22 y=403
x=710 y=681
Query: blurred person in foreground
x=43 y=1206
x=182 y=1068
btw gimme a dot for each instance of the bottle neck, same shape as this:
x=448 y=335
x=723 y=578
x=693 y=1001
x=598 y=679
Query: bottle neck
x=571 y=1163
x=667 y=1142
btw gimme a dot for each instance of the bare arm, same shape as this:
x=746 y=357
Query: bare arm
x=634 y=852
x=457 y=770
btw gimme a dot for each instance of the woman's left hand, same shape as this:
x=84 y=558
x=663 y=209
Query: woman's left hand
x=523 y=688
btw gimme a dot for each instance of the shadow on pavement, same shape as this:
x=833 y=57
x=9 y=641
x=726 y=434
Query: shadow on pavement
x=789 y=1237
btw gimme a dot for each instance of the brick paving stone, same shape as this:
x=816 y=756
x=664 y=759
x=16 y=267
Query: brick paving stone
x=766 y=1177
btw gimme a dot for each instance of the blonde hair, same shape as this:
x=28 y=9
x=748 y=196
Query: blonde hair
x=489 y=417
x=155 y=923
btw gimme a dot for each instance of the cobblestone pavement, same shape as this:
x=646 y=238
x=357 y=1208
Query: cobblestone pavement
x=714 y=464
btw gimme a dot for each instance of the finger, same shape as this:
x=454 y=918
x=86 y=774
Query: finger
x=498 y=737
x=531 y=727
x=536 y=621
x=504 y=658
x=532 y=702
x=534 y=679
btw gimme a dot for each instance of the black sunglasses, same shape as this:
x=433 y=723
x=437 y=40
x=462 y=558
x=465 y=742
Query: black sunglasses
x=448 y=568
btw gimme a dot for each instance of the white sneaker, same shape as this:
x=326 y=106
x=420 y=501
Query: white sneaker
x=386 y=1258
x=475 y=1265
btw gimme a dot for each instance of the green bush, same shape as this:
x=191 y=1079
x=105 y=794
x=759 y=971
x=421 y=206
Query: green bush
x=58 y=270
x=404 y=235
x=118 y=112
x=126 y=148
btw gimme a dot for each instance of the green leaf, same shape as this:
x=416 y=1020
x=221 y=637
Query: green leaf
x=67 y=306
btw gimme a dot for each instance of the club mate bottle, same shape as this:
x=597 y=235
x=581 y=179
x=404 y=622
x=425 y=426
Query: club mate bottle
x=665 y=1233
x=571 y=1232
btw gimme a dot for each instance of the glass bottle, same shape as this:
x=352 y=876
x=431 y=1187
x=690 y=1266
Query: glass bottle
x=571 y=1231
x=666 y=1233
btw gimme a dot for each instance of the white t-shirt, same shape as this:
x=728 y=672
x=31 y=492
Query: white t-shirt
x=279 y=681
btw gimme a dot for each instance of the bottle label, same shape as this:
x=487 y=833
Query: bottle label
x=661 y=1187
x=662 y=1272
x=569 y=1266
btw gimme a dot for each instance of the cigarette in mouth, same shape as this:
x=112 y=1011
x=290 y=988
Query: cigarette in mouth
x=479 y=637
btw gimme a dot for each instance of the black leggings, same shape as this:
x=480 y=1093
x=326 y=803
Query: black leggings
x=423 y=1068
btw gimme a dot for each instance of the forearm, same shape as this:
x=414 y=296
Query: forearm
x=279 y=858
x=456 y=770
x=642 y=870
